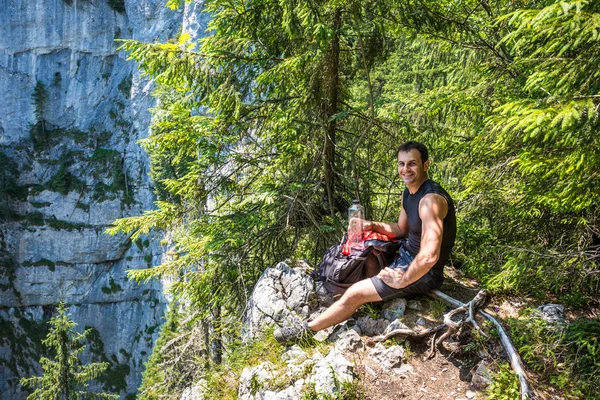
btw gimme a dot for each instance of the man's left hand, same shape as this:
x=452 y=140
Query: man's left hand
x=392 y=277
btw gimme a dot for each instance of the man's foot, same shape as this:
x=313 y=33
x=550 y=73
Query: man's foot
x=294 y=333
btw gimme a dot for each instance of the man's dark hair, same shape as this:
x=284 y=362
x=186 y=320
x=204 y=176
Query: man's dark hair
x=411 y=144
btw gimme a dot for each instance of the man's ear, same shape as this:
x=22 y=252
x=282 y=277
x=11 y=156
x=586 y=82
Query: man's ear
x=426 y=165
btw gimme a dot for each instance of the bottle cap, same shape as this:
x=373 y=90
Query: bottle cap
x=355 y=201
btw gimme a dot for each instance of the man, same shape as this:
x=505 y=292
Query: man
x=428 y=223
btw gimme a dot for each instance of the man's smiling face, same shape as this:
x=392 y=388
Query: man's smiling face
x=411 y=168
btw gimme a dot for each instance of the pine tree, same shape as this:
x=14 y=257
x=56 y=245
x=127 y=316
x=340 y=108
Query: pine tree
x=65 y=378
x=40 y=98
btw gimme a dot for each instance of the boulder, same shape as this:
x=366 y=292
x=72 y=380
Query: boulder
x=394 y=309
x=553 y=314
x=330 y=372
x=349 y=341
x=282 y=296
x=254 y=382
x=482 y=377
x=388 y=358
x=396 y=324
x=371 y=327
x=196 y=392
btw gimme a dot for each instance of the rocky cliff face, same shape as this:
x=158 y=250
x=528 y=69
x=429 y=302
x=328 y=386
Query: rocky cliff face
x=71 y=111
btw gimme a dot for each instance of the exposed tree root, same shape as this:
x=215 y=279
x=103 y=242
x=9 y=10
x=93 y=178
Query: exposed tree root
x=471 y=307
x=407 y=333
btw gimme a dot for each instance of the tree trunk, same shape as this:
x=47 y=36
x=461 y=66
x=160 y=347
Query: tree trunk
x=216 y=348
x=332 y=87
x=64 y=366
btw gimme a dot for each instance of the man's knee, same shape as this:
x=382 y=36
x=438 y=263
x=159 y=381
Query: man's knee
x=360 y=293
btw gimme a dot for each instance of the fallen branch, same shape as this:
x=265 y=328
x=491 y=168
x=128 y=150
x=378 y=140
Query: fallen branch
x=515 y=360
x=471 y=308
x=406 y=333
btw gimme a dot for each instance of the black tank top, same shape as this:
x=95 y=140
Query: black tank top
x=410 y=203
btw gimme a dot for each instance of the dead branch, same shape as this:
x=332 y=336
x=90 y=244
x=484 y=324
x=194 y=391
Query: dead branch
x=406 y=333
x=468 y=310
x=515 y=360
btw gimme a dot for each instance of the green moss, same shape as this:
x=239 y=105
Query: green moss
x=64 y=181
x=110 y=161
x=40 y=205
x=83 y=206
x=35 y=218
x=151 y=329
x=103 y=138
x=125 y=354
x=101 y=155
x=117 y=5
x=114 y=287
x=58 y=224
x=8 y=273
x=24 y=339
x=125 y=85
x=96 y=345
x=9 y=187
x=40 y=263
x=114 y=378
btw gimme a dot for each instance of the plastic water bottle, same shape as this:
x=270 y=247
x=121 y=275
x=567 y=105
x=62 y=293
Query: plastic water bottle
x=355 y=229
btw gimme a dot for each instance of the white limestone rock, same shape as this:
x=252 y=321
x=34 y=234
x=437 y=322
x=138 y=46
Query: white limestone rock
x=372 y=327
x=195 y=392
x=331 y=371
x=388 y=358
x=394 y=309
x=282 y=296
x=349 y=341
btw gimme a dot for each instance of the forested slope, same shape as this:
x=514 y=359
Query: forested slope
x=269 y=126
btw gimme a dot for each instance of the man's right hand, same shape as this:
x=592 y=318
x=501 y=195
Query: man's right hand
x=357 y=222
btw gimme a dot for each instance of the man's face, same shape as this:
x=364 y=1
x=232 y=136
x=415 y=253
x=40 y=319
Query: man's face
x=411 y=168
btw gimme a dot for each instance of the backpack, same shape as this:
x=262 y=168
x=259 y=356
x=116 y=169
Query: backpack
x=338 y=271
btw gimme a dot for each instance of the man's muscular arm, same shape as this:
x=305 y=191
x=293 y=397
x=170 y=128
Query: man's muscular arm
x=432 y=210
x=392 y=229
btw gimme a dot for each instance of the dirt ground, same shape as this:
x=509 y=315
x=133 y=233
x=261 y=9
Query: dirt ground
x=441 y=377
x=445 y=376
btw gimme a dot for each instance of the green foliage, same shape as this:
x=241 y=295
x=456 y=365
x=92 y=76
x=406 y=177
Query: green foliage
x=566 y=359
x=125 y=86
x=64 y=376
x=505 y=384
x=10 y=190
x=117 y=5
x=112 y=288
x=39 y=98
x=582 y=342
x=438 y=309
x=223 y=380
x=64 y=181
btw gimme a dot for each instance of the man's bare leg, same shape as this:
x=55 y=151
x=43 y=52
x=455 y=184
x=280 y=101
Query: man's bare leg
x=358 y=294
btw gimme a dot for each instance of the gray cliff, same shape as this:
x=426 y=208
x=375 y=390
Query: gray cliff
x=71 y=111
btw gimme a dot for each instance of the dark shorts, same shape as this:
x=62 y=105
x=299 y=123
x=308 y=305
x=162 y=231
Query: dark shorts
x=430 y=281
